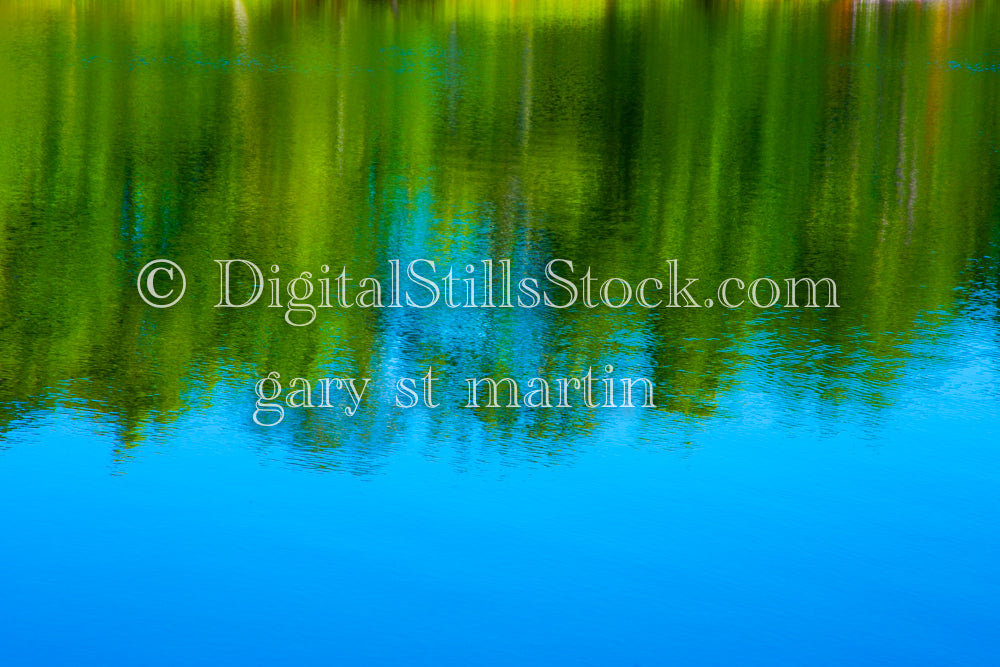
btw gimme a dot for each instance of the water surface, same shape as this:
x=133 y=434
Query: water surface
x=814 y=485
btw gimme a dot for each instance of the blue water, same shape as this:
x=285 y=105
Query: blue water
x=735 y=540
x=816 y=486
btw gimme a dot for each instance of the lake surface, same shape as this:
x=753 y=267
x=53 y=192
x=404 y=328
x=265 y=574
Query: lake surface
x=813 y=486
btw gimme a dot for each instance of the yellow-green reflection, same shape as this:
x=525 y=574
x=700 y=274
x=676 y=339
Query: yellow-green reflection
x=825 y=139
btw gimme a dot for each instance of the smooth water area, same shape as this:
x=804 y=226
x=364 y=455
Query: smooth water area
x=814 y=486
